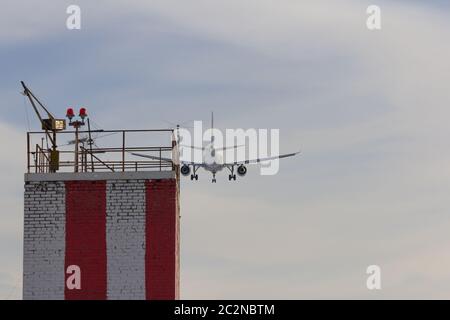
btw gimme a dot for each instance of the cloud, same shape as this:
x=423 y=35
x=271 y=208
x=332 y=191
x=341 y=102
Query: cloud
x=369 y=110
x=12 y=167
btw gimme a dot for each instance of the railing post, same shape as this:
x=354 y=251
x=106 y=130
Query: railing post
x=123 y=151
x=28 y=152
x=175 y=155
x=37 y=158
x=36 y=155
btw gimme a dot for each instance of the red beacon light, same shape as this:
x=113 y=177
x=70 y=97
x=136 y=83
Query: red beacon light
x=83 y=113
x=70 y=114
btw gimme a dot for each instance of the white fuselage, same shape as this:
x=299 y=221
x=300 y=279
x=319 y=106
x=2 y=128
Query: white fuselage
x=212 y=159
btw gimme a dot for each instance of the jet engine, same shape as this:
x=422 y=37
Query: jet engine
x=241 y=170
x=185 y=170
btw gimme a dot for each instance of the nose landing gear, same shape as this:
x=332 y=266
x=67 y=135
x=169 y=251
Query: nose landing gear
x=194 y=174
x=232 y=176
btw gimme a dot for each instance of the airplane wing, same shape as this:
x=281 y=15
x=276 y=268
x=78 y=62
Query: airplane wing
x=230 y=147
x=151 y=157
x=166 y=159
x=258 y=160
x=217 y=149
x=192 y=147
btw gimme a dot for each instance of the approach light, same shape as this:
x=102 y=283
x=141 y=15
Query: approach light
x=70 y=114
x=83 y=113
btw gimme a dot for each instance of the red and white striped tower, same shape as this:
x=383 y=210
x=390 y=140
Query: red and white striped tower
x=120 y=228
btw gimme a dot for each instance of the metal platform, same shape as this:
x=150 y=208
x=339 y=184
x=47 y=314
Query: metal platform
x=88 y=157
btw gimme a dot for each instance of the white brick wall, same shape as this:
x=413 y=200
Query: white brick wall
x=125 y=238
x=44 y=240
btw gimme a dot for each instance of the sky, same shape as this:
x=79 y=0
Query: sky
x=368 y=109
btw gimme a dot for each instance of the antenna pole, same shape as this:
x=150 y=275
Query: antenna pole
x=90 y=144
x=76 y=149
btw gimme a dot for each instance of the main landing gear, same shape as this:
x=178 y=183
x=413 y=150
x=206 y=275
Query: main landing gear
x=194 y=176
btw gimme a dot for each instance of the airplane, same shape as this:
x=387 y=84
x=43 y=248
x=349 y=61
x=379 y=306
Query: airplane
x=215 y=161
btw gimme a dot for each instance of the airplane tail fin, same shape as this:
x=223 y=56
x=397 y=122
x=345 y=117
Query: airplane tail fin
x=212 y=126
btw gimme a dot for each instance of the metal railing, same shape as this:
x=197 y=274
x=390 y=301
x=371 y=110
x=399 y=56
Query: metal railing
x=92 y=158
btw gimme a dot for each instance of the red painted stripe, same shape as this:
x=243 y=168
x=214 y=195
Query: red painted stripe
x=86 y=237
x=160 y=256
